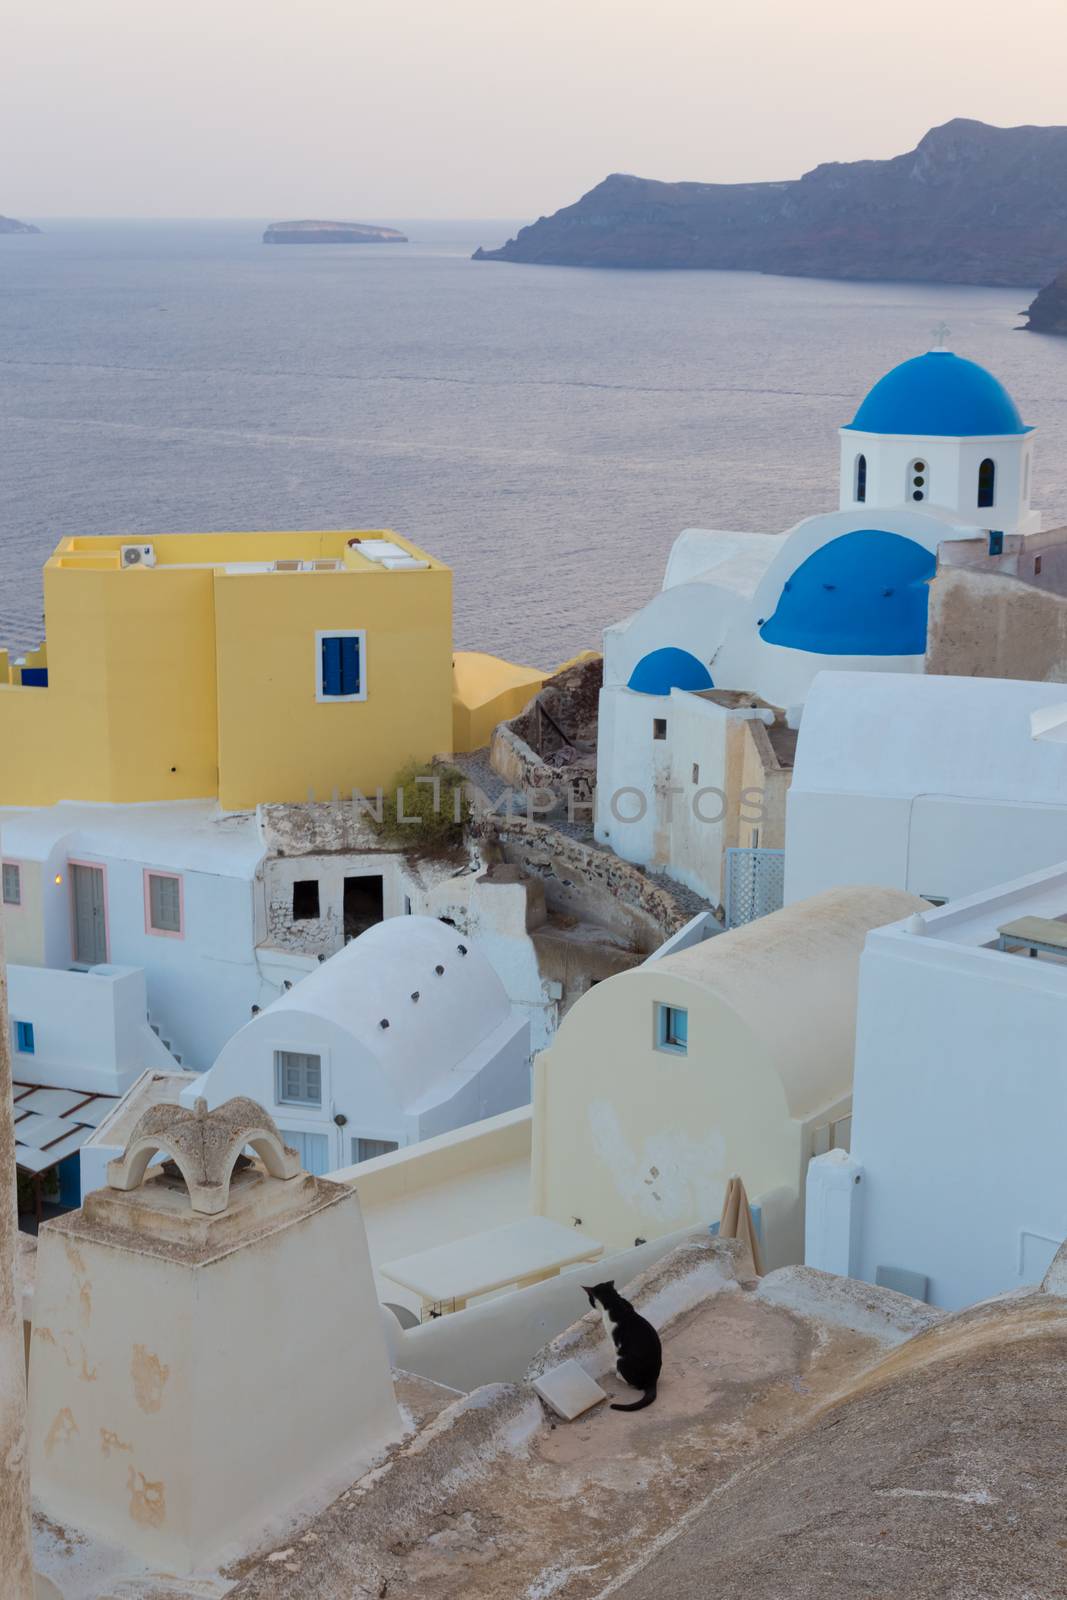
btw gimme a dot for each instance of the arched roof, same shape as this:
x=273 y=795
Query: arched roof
x=374 y=979
x=861 y=594
x=939 y=394
x=791 y=978
x=669 y=668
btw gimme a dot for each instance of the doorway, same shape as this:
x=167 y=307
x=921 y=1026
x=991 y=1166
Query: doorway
x=364 y=904
x=89 y=904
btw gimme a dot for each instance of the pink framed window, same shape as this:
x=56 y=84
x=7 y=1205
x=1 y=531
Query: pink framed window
x=11 y=885
x=164 y=904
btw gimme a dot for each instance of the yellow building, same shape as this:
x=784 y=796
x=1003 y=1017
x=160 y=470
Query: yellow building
x=253 y=667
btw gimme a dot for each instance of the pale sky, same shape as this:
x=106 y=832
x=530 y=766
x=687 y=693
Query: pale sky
x=373 y=109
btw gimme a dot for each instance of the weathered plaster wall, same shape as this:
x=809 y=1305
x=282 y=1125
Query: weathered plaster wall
x=16 y=1572
x=989 y=625
x=137 y=1338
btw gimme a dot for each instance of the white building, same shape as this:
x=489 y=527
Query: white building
x=942 y=786
x=956 y=1186
x=937 y=452
x=217 y=909
x=407 y=1032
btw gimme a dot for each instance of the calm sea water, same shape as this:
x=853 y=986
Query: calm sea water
x=547 y=431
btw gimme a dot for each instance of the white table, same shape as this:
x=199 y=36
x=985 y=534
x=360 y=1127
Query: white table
x=520 y=1252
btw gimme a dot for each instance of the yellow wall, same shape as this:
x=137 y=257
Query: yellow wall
x=276 y=742
x=185 y=681
x=485 y=691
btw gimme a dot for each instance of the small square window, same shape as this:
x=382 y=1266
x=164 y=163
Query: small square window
x=24 y=1038
x=298 y=1078
x=164 y=902
x=672 y=1029
x=339 y=668
x=305 y=899
x=12 y=884
x=368 y=1149
x=659 y=727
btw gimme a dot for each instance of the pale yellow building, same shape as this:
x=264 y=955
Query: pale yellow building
x=251 y=667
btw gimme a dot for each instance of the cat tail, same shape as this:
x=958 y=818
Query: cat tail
x=639 y=1405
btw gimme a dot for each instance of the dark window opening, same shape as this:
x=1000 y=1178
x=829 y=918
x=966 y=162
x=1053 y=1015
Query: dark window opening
x=1037 y=565
x=861 y=478
x=305 y=899
x=987 y=482
x=364 y=904
x=659 y=727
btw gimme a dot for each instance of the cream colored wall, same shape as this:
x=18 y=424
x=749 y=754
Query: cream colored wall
x=133 y=1352
x=638 y=1141
x=761 y=773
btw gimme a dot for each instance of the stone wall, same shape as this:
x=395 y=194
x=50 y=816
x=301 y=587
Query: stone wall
x=985 y=624
x=589 y=883
x=551 y=746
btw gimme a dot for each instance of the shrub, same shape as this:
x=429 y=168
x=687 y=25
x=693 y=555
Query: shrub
x=425 y=810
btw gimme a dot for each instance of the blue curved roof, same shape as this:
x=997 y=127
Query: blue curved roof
x=663 y=670
x=939 y=394
x=862 y=594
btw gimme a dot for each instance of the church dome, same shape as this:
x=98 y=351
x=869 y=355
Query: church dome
x=939 y=395
x=670 y=668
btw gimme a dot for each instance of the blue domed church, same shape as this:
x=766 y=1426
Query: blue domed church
x=936 y=452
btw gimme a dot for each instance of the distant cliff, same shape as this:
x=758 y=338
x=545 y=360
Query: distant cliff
x=331 y=233
x=12 y=225
x=971 y=204
x=1048 y=313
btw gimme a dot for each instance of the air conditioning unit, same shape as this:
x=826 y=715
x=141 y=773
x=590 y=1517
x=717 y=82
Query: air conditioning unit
x=137 y=555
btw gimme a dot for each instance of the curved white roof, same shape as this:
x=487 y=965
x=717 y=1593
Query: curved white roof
x=791 y=977
x=376 y=979
x=889 y=733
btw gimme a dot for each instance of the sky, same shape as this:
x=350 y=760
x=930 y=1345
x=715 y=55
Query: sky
x=377 y=109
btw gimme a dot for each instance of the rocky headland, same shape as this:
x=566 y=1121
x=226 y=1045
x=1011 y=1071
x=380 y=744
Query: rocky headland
x=970 y=204
x=1048 y=313
x=331 y=233
x=12 y=225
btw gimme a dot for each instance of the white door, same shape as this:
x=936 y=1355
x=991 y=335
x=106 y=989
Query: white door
x=90 y=915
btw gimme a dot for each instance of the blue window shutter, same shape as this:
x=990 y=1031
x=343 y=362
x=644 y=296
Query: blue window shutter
x=349 y=666
x=24 y=1037
x=331 y=666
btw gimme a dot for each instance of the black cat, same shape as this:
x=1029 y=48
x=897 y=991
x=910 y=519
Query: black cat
x=639 y=1354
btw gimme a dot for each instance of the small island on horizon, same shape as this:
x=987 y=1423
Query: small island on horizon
x=309 y=232
x=13 y=225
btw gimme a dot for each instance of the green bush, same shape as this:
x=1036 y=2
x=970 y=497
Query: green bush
x=425 y=810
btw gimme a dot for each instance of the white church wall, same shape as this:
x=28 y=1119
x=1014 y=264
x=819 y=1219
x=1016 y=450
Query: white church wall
x=633 y=766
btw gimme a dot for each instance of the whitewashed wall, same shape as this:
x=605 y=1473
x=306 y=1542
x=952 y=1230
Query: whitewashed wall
x=90 y=1029
x=960 y=1101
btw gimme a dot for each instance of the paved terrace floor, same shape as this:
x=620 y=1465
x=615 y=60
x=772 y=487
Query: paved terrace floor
x=496 y=1501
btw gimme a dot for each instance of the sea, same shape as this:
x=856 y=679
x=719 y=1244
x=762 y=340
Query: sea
x=547 y=431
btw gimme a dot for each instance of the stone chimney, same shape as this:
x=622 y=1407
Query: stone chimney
x=207 y=1344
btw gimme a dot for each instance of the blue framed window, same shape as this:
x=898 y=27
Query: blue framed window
x=24 y=1038
x=672 y=1029
x=340 y=667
